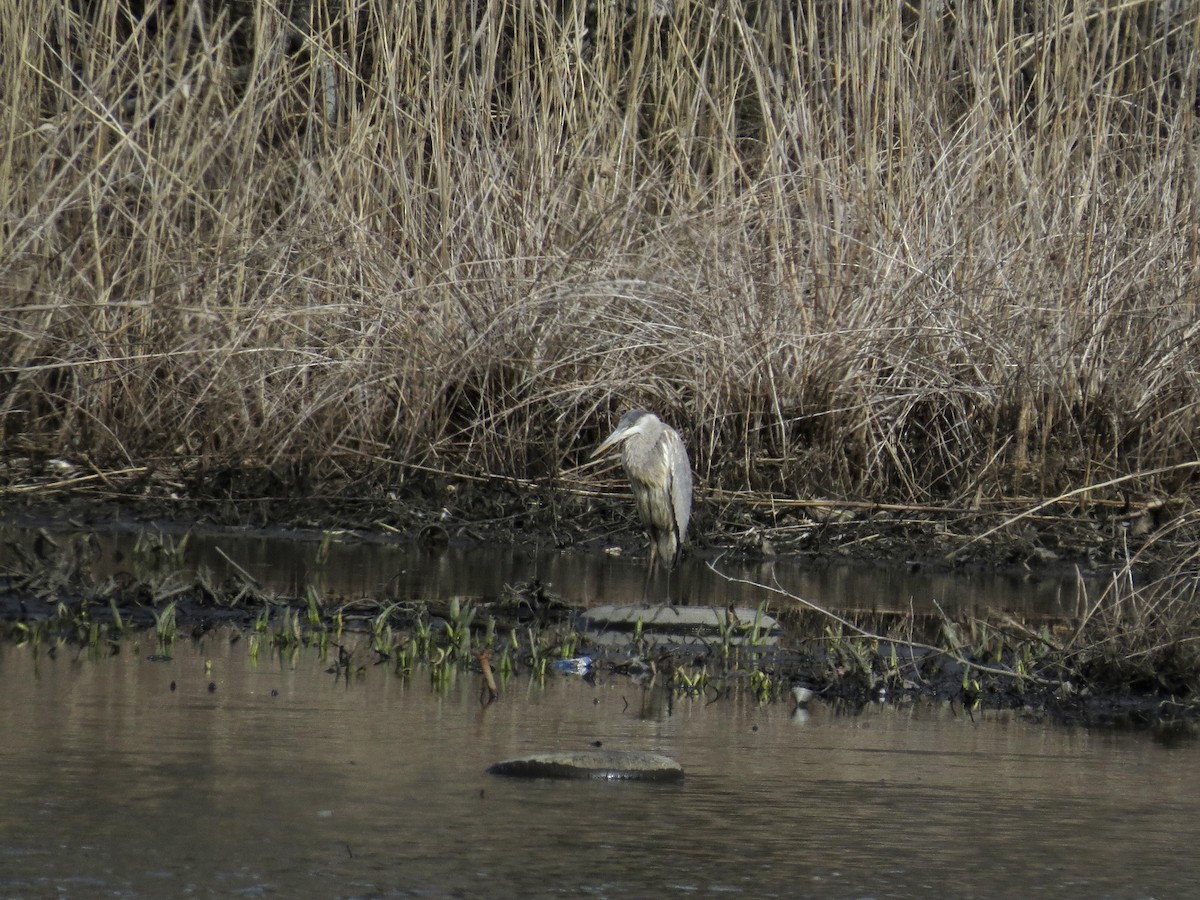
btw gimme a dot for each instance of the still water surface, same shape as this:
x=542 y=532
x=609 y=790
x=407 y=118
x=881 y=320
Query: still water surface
x=285 y=781
x=344 y=566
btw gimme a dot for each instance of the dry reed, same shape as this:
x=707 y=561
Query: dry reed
x=908 y=252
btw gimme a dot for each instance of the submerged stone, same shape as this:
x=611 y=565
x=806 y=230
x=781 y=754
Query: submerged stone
x=612 y=765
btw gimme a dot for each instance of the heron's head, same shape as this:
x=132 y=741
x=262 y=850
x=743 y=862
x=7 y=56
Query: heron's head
x=634 y=422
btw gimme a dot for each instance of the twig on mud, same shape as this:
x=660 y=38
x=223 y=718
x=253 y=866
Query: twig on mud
x=485 y=477
x=773 y=501
x=1082 y=490
x=71 y=482
x=250 y=578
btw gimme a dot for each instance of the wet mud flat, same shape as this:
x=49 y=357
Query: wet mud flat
x=50 y=597
x=1019 y=536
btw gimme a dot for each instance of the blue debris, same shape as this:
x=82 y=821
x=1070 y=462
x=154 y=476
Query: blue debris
x=579 y=665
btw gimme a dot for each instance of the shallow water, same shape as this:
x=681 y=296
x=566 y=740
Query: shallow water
x=346 y=567
x=285 y=780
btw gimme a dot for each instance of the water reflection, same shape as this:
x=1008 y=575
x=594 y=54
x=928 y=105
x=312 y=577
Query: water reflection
x=343 y=567
x=286 y=780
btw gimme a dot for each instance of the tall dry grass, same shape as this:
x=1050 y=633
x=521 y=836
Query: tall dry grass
x=912 y=252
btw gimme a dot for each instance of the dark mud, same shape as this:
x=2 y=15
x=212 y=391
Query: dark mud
x=1024 y=536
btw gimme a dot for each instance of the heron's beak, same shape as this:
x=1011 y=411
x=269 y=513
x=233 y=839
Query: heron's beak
x=611 y=441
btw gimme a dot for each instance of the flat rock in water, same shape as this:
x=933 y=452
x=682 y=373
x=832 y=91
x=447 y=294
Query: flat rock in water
x=613 y=765
x=603 y=622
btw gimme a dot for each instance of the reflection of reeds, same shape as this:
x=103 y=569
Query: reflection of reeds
x=893 y=251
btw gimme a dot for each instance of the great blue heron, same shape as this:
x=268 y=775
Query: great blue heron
x=661 y=477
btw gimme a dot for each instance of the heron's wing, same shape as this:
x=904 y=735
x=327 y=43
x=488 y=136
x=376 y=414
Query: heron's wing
x=680 y=489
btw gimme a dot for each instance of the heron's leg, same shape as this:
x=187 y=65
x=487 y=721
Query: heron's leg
x=650 y=567
x=652 y=578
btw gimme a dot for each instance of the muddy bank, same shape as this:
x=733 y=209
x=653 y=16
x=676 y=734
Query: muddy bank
x=1022 y=535
x=1087 y=670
